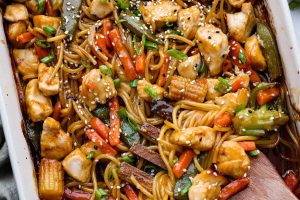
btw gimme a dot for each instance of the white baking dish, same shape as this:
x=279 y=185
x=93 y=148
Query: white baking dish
x=23 y=167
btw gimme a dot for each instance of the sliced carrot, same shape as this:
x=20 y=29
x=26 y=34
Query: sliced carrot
x=140 y=62
x=56 y=111
x=266 y=96
x=102 y=44
x=106 y=30
x=233 y=188
x=184 y=161
x=223 y=120
x=41 y=52
x=291 y=180
x=24 y=37
x=89 y=85
x=100 y=142
x=123 y=54
x=237 y=84
x=130 y=193
x=100 y=127
x=254 y=78
x=248 y=145
x=162 y=77
x=227 y=65
x=115 y=122
x=238 y=55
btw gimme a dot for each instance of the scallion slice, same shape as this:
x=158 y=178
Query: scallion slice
x=47 y=59
x=42 y=43
x=151 y=92
x=90 y=155
x=106 y=70
x=117 y=82
x=177 y=54
x=49 y=30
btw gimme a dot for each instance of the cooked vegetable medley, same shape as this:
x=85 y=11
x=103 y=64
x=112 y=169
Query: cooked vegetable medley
x=146 y=99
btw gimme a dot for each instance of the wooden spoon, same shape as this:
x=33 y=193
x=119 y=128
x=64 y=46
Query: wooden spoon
x=265 y=183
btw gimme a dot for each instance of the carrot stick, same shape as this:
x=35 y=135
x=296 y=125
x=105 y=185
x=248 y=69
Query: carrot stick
x=123 y=54
x=254 y=78
x=102 y=44
x=233 y=188
x=41 y=52
x=184 y=161
x=24 y=37
x=238 y=55
x=56 y=111
x=100 y=142
x=237 y=84
x=248 y=145
x=130 y=193
x=106 y=30
x=291 y=180
x=140 y=62
x=265 y=96
x=223 y=120
x=115 y=123
x=162 y=77
x=100 y=127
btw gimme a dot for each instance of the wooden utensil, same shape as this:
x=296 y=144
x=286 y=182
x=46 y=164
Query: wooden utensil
x=265 y=183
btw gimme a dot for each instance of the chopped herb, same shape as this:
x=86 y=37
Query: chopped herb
x=122 y=114
x=223 y=87
x=40 y=6
x=117 y=82
x=239 y=108
x=100 y=193
x=294 y=4
x=135 y=45
x=47 y=59
x=151 y=92
x=49 y=30
x=169 y=24
x=133 y=83
x=123 y=4
x=128 y=159
x=90 y=155
x=177 y=54
x=201 y=68
x=242 y=57
x=106 y=70
x=42 y=43
x=151 y=45
x=103 y=1
x=254 y=153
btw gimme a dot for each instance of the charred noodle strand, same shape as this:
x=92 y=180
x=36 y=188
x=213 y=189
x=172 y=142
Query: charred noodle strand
x=216 y=150
x=180 y=38
x=56 y=38
x=161 y=60
x=140 y=187
x=149 y=57
x=59 y=61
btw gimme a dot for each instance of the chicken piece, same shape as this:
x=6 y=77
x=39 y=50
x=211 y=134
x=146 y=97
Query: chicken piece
x=97 y=87
x=32 y=6
x=27 y=61
x=16 y=12
x=200 y=138
x=55 y=143
x=46 y=86
x=252 y=48
x=206 y=185
x=211 y=92
x=41 y=21
x=88 y=147
x=213 y=44
x=78 y=166
x=38 y=106
x=143 y=92
x=100 y=9
x=186 y=89
x=232 y=160
x=51 y=180
x=236 y=3
x=188 y=68
x=189 y=20
x=240 y=24
x=159 y=12
x=232 y=100
x=15 y=29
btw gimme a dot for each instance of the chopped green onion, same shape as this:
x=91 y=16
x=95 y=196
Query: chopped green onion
x=239 y=108
x=106 y=70
x=122 y=114
x=223 y=87
x=100 y=193
x=49 y=30
x=123 y=4
x=242 y=57
x=40 y=6
x=42 y=43
x=176 y=32
x=117 y=82
x=254 y=153
x=169 y=24
x=135 y=45
x=177 y=54
x=128 y=159
x=186 y=188
x=90 y=155
x=151 y=92
x=201 y=68
x=294 y=4
x=47 y=59
x=103 y=1
x=175 y=160
x=151 y=45
x=133 y=83
x=253 y=132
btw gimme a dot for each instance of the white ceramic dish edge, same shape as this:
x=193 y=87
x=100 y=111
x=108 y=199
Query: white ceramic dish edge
x=11 y=115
